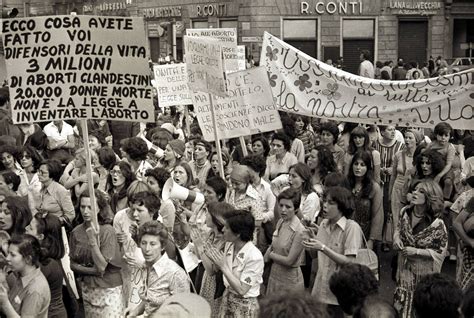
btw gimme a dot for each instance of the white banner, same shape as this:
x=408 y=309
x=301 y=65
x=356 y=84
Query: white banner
x=304 y=85
x=248 y=110
x=171 y=82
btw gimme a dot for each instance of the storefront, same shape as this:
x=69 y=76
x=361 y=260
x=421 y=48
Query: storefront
x=462 y=28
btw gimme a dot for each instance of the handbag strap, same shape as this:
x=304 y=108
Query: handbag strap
x=365 y=242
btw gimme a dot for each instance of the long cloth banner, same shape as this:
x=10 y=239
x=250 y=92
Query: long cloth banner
x=304 y=85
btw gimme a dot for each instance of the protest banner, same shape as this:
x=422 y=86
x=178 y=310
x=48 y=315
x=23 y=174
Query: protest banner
x=171 y=82
x=304 y=85
x=204 y=64
x=227 y=37
x=78 y=67
x=249 y=109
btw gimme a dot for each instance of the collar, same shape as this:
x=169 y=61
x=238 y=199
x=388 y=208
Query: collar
x=25 y=280
x=49 y=187
x=252 y=192
x=160 y=266
x=342 y=223
x=294 y=223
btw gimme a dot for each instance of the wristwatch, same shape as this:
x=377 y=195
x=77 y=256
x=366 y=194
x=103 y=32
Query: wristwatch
x=323 y=248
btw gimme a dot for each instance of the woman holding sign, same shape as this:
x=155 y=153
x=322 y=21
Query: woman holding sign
x=95 y=258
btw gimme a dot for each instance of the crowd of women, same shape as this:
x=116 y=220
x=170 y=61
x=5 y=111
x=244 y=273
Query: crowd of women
x=293 y=207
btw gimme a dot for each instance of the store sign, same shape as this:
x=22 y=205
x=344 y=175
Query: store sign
x=163 y=12
x=248 y=39
x=209 y=10
x=331 y=7
x=414 y=7
x=107 y=6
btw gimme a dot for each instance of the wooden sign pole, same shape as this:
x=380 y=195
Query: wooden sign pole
x=216 y=138
x=90 y=179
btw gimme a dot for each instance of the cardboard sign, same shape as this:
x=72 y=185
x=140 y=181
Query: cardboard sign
x=171 y=82
x=204 y=64
x=249 y=109
x=304 y=85
x=227 y=37
x=78 y=67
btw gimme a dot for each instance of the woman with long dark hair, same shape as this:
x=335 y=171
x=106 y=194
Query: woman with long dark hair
x=367 y=193
x=121 y=176
x=47 y=229
x=321 y=162
x=360 y=140
x=30 y=160
x=95 y=258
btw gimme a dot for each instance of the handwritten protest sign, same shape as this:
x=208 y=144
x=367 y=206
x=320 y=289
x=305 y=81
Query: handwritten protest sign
x=304 y=85
x=172 y=85
x=249 y=109
x=78 y=67
x=227 y=37
x=204 y=63
x=241 y=57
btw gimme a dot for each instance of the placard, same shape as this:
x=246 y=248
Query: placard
x=306 y=86
x=249 y=109
x=78 y=67
x=241 y=63
x=171 y=82
x=204 y=64
x=227 y=37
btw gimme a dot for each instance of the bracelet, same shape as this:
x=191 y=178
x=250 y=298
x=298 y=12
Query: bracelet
x=417 y=253
x=323 y=248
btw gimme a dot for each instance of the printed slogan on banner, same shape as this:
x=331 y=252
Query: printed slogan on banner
x=78 y=67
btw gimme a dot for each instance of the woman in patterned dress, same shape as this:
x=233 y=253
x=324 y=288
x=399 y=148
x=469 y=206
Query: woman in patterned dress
x=422 y=241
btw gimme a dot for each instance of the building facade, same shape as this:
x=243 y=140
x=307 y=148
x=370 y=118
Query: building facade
x=326 y=29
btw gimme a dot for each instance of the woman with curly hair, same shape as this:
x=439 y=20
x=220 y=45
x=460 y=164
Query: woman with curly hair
x=367 y=197
x=360 y=140
x=120 y=178
x=135 y=151
x=95 y=258
x=30 y=160
x=281 y=159
x=321 y=162
x=422 y=241
x=9 y=157
x=428 y=164
x=329 y=137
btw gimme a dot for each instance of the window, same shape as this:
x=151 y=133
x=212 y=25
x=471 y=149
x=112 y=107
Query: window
x=229 y=23
x=200 y=24
x=357 y=35
x=302 y=34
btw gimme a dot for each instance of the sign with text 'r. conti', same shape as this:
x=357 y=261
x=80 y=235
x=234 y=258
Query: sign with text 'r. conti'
x=249 y=108
x=172 y=85
x=78 y=67
x=205 y=67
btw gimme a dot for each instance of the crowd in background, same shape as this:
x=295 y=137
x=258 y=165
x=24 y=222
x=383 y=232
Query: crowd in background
x=280 y=234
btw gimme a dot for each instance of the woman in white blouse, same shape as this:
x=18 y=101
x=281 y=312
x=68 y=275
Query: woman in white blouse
x=241 y=264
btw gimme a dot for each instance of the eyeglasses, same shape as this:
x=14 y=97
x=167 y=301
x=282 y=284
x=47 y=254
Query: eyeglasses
x=25 y=157
x=115 y=172
x=43 y=172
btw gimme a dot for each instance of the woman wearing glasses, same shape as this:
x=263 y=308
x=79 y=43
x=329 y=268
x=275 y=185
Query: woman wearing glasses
x=55 y=199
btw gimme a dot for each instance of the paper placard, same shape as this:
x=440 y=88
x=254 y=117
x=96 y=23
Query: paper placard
x=241 y=63
x=227 y=37
x=78 y=67
x=249 y=109
x=171 y=82
x=66 y=265
x=204 y=64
